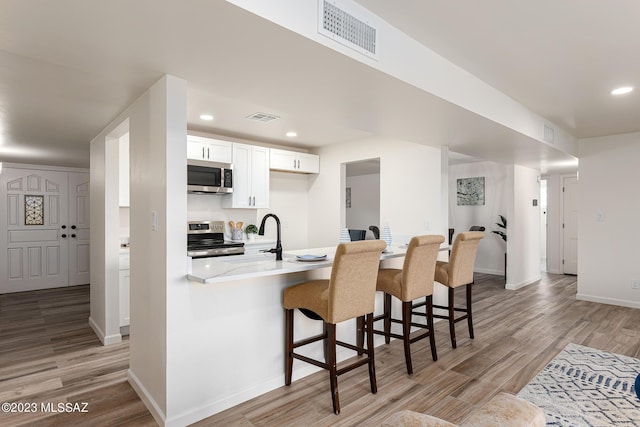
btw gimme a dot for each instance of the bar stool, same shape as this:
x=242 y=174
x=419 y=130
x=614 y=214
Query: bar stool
x=458 y=272
x=348 y=293
x=414 y=281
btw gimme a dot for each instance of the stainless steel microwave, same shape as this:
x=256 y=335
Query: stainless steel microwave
x=209 y=177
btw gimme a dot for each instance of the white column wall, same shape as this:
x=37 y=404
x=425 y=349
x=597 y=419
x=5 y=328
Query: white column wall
x=157 y=124
x=608 y=249
x=523 y=242
x=409 y=189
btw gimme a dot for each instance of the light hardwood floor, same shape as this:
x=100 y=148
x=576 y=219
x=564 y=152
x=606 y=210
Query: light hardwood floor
x=48 y=353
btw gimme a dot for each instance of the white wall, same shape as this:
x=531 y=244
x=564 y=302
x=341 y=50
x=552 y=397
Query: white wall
x=490 y=257
x=365 y=201
x=608 y=249
x=157 y=124
x=523 y=219
x=409 y=209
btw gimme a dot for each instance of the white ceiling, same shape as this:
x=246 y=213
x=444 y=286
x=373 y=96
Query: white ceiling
x=69 y=67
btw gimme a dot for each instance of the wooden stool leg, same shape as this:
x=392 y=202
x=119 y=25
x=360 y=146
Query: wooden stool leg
x=372 y=361
x=432 y=335
x=288 y=346
x=452 y=321
x=387 y=318
x=360 y=330
x=331 y=364
x=406 y=331
x=469 y=318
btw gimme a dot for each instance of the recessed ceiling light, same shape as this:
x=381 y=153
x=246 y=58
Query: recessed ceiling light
x=291 y=134
x=622 y=90
x=206 y=117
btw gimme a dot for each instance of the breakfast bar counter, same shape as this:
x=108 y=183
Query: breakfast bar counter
x=238 y=267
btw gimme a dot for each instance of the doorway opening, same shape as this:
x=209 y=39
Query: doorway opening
x=362 y=198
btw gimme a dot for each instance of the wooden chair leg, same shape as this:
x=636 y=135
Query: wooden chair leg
x=406 y=331
x=452 y=321
x=360 y=331
x=469 y=318
x=432 y=335
x=372 y=361
x=288 y=347
x=331 y=364
x=387 y=318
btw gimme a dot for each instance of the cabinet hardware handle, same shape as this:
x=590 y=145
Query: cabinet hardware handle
x=73 y=235
x=208 y=154
x=254 y=200
x=294 y=163
x=63 y=227
x=73 y=227
x=298 y=164
x=64 y=236
x=203 y=152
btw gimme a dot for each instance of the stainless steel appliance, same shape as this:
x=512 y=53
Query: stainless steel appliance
x=206 y=239
x=209 y=177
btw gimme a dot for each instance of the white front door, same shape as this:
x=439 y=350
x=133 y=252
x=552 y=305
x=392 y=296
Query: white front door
x=34 y=254
x=44 y=235
x=78 y=236
x=570 y=225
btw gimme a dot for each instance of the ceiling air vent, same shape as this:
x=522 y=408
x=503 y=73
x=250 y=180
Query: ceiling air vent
x=341 y=25
x=262 y=117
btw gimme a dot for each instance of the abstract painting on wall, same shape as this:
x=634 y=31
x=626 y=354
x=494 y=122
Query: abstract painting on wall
x=471 y=191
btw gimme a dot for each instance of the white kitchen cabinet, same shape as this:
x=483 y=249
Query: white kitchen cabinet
x=292 y=161
x=250 y=177
x=123 y=170
x=125 y=285
x=201 y=148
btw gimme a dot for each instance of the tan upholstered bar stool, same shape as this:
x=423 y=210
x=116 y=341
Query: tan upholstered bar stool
x=348 y=293
x=414 y=281
x=459 y=272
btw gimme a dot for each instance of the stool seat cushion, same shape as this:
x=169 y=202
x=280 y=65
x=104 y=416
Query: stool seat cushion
x=312 y=295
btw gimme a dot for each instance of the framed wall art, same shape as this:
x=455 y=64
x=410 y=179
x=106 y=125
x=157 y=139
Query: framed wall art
x=470 y=191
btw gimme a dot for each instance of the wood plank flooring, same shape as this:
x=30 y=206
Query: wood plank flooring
x=48 y=353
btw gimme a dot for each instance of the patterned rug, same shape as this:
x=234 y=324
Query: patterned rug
x=583 y=386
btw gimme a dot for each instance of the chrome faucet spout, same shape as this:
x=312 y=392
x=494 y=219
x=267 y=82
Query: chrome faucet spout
x=278 y=249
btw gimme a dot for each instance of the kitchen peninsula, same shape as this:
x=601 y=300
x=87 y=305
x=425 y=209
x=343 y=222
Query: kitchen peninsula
x=236 y=317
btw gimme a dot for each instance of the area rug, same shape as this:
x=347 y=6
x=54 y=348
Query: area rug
x=583 y=386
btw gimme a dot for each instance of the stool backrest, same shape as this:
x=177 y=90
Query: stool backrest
x=463 y=258
x=352 y=286
x=419 y=266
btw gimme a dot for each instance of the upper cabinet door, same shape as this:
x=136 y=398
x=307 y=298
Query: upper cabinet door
x=293 y=161
x=214 y=150
x=250 y=178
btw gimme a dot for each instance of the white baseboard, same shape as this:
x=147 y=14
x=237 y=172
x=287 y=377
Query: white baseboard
x=516 y=286
x=489 y=271
x=610 y=301
x=104 y=339
x=146 y=398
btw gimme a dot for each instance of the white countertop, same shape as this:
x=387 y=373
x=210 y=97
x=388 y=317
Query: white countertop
x=228 y=268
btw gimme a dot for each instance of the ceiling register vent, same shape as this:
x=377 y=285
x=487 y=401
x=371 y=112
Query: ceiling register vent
x=262 y=117
x=338 y=24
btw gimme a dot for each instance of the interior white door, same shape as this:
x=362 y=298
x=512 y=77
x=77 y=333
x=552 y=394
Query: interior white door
x=33 y=251
x=78 y=236
x=570 y=225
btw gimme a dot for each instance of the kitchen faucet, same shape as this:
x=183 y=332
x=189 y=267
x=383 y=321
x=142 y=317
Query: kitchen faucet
x=278 y=249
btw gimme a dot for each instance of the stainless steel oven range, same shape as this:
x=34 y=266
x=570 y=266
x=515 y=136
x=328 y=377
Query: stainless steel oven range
x=206 y=239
